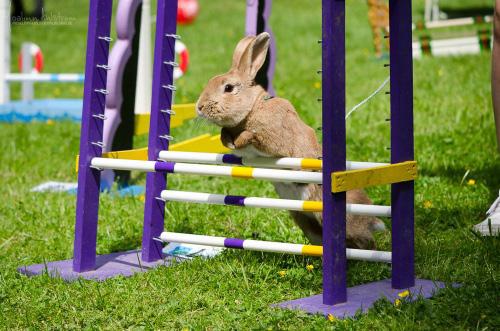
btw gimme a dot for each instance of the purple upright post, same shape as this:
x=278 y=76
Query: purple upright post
x=402 y=194
x=159 y=127
x=334 y=151
x=87 y=202
x=257 y=21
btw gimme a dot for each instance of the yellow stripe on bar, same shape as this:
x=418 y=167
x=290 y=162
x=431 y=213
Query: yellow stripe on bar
x=242 y=172
x=312 y=164
x=354 y=179
x=312 y=250
x=315 y=206
x=183 y=112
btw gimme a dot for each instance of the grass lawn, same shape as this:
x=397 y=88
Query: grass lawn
x=459 y=178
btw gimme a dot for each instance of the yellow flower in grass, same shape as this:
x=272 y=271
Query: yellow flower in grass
x=141 y=198
x=50 y=122
x=404 y=294
x=397 y=303
x=309 y=267
x=331 y=318
x=282 y=273
x=471 y=182
x=427 y=204
x=317 y=85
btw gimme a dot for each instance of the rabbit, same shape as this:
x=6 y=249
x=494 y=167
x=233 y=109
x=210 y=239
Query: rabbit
x=256 y=124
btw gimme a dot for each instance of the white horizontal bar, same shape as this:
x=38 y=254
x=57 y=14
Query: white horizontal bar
x=195 y=197
x=213 y=170
x=357 y=165
x=194 y=239
x=257 y=173
x=287 y=175
x=270 y=246
x=454 y=22
x=48 y=78
x=285 y=162
x=455 y=42
x=200 y=169
x=368 y=255
x=256 y=202
x=368 y=210
x=121 y=164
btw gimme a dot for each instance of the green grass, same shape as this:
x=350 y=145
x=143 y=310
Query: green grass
x=454 y=134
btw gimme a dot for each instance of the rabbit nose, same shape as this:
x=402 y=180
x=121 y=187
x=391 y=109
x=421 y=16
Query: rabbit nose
x=199 y=108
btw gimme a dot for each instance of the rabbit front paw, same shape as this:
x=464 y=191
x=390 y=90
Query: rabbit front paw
x=244 y=139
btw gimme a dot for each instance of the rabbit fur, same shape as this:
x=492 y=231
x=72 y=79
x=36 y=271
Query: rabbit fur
x=255 y=124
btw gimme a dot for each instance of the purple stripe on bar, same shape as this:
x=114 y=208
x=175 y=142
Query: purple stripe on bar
x=164 y=166
x=235 y=200
x=232 y=159
x=233 y=243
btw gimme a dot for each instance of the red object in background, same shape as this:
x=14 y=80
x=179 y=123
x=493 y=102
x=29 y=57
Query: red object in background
x=187 y=11
x=37 y=55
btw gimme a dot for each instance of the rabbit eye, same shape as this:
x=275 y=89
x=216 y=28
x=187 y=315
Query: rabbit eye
x=228 y=88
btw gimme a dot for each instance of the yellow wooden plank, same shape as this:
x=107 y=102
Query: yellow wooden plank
x=354 y=179
x=204 y=143
x=183 y=112
x=131 y=154
x=141 y=125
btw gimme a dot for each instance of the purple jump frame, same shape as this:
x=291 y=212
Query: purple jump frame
x=91 y=138
x=336 y=299
x=334 y=151
x=159 y=125
x=257 y=21
x=402 y=194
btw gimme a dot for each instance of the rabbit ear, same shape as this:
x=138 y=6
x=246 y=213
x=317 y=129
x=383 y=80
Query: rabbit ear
x=240 y=50
x=254 y=55
x=259 y=52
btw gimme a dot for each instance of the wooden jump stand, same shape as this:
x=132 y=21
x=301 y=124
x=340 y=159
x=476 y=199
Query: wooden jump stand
x=336 y=299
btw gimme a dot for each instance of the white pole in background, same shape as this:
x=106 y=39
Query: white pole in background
x=4 y=49
x=27 y=86
x=144 y=63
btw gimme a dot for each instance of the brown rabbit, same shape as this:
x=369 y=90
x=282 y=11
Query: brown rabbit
x=255 y=124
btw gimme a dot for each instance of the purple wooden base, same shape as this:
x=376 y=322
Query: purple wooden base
x=362 y=297
x=107 y=266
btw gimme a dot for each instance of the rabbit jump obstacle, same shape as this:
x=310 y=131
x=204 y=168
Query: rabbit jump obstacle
x=336 y=299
